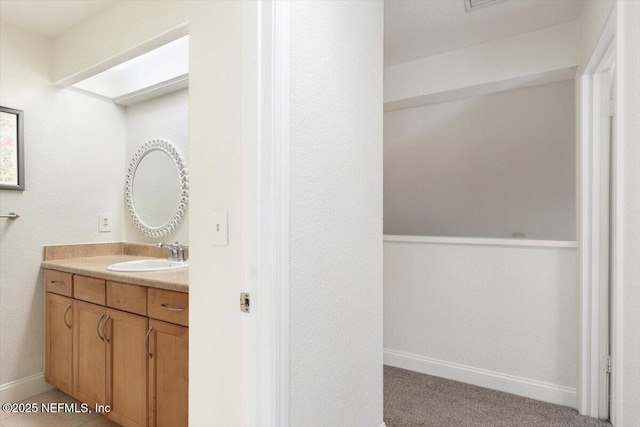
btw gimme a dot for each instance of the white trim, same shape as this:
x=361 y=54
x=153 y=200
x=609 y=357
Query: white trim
x=163 y=88
x=526 y=387
x=482 y=241
x=23 y=388
x=272 y=315
x=91 y=94
x=383 y=424
x=281 y=167
x=584 y=297
x=590 y=297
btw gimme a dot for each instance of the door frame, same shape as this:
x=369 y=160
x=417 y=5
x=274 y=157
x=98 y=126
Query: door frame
x=594 y=299
x=271 y=302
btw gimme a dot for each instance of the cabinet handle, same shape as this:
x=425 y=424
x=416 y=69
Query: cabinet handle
x=104 y=325
x=98 y=327
x=56 y=283
x=166 y=307
x=146 y=342
x=64 y=317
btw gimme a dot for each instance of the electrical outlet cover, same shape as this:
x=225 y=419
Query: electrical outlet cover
x=104 y=223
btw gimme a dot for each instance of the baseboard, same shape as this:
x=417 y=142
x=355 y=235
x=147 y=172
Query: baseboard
x=383 y=425
x=24 y=388
x=533 y=389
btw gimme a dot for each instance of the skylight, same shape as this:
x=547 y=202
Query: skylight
x=164 y=65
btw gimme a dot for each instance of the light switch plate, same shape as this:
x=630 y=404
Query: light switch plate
x=220 y=228
x=104 y=223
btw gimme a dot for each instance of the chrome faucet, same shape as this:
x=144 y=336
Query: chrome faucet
x=176 y=251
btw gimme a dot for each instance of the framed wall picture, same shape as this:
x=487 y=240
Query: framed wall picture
x=11 y=149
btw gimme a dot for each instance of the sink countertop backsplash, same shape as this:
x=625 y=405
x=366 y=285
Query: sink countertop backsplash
x=93 y=259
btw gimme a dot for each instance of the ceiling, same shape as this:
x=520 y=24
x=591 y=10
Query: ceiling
x=418 y=28
x=413 y=28
x=49 y=18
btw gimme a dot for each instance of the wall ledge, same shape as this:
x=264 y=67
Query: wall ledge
x=520 y=82
x=481 y=241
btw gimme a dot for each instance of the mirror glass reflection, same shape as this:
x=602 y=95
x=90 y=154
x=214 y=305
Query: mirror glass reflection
x=156 y=189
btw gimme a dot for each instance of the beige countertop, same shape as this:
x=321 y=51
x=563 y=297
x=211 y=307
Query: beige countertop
x=96 y=266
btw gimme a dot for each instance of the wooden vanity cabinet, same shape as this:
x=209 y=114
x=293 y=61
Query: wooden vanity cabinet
x=168 y=374
x=58 y=339
x=126 y=367
x=58 y=282
x=110 y=361
x=89 y=354
x=102 y=348
x=169 y=358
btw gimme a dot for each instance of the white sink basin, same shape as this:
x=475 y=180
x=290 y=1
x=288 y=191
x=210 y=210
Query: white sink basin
x=147 y=265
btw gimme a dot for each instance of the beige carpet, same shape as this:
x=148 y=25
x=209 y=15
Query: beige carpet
x=417 y=400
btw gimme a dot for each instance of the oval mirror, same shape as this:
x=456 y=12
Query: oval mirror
x=157 y=188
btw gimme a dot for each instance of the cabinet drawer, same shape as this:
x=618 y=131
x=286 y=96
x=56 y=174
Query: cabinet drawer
x=126 y=297
x=89 y=289
x=168 y=305
x=58 y=282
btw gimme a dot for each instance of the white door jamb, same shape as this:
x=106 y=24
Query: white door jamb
x=272 y=299
x=593 y=303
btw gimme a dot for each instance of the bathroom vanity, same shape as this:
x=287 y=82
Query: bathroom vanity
x=118 y=341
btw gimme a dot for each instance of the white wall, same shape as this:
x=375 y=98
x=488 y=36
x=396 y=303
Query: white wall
x=627 y=356
x=528 y=54
x=336 y=214
x=74 y=158
x=166 y=117
x=215 y=272
x=484 y=314
x=486 y=166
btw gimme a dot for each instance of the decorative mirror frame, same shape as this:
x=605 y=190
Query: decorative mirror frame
x=178 y=214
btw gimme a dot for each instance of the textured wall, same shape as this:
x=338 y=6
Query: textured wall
x=336 y=214
x=628 y=75
x=166 y=117
x=74 y=158
x=504 y=309
x=485 y=166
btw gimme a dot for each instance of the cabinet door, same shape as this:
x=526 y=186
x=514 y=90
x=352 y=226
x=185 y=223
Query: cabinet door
x=89 y=353
x=168 y=374
x=127 y=368
x=58 y=342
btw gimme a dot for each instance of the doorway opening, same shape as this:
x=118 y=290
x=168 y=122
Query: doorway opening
x=458 y=252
